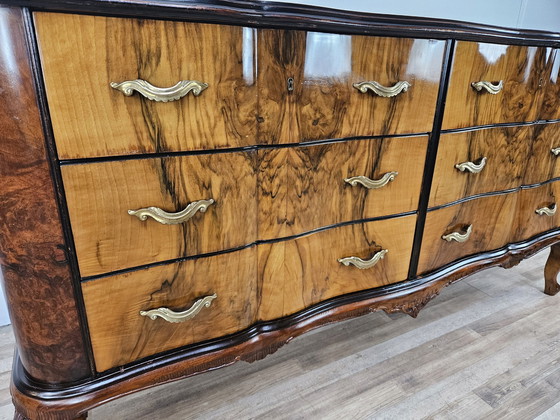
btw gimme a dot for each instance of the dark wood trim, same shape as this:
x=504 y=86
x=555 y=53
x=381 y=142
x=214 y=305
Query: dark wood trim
x=260 y=340
x=285 y=15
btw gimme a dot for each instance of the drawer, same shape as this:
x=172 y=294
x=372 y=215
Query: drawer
x=519 y=68
x=81 y=56
x=108 y=238
x=490 y=218
x=542 y=163
x=537 y=211
x=325 y=104
x=304 y=188
x=296 y=274
x=480 y=161
x=120 y=334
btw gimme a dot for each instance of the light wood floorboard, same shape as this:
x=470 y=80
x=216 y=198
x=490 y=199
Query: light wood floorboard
x=487 y=347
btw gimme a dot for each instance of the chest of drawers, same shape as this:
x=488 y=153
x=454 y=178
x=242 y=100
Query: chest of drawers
x=192 y=184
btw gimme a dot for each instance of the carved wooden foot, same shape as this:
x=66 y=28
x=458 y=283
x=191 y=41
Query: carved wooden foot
x=551 y=270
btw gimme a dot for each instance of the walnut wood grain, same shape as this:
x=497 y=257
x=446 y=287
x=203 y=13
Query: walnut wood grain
x=296 y=274
x=303 y=188
x=324 y=104
x=107 y=238
x=81 y=55
x=507 y=150
x=491 y=218
x=520 y=68
x=37 y=278
x=120 y=335
x=551 y=270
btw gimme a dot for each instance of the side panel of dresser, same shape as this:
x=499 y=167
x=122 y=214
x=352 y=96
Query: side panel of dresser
x=37 y=279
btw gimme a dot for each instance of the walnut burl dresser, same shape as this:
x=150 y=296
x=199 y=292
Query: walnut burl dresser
x=188 y=184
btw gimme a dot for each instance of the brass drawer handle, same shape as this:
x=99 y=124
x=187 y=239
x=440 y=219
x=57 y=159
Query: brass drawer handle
x=458 y=236
x=166 y=218
x=157 y=94
x=372 y=183
x=546 y=211
x=363 y=264
x=175 y=317
x=471 y=166
x=555 y=151
x=488 y=86
x=380 y=90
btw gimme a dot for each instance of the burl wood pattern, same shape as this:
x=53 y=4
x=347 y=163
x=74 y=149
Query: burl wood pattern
x=37 y=279
x=323 y=103
x=81 y=55
x=550 y=107
x=519 y=67
x=296 y=274
x=120 y=335
x=551 y=270
x=491 y=218
x=540 y=163
x=506 y=149
x=107 y=238
x=303 y=188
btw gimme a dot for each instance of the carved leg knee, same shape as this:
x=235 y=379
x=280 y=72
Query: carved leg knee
x=551 y=270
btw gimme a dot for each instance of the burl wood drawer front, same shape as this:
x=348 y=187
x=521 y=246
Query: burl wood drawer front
x=304 y=188
x=511 y=75
x=298 y=273
x=543 y=161
x=537 y=211
x=108 y=238
x=306 y=85
x=82 y=55
x=464 y=229
x=120 y=334
x=481 y=161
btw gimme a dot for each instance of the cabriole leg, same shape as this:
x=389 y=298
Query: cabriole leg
x=551 y=270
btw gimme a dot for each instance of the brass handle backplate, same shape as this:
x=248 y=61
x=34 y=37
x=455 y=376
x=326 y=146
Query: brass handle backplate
x=166 y=218
x=458 y=236
x=175 y=317
x=547 y=211
x=488 y=86
x=157 y=94
x=363 y=264
x=472 y=167
x=372 y=183
x=380 y=90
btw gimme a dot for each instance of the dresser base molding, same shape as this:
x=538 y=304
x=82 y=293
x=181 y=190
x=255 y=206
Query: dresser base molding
x=35 y=401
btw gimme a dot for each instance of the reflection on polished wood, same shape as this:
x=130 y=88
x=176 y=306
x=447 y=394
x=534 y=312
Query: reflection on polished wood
x=324 y=104
x=81 y=55
x=520 y=68
x=304 y=188
x=107 y=238
x=120 y=334
x=298 y=273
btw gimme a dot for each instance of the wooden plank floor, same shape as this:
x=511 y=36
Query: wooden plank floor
x=488 y=347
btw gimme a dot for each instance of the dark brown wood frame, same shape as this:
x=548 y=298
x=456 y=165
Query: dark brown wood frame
x=70 y=393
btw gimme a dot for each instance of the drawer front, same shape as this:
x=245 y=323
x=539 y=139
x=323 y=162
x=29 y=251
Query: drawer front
x=298 y=273
x=324 y=103
x=519 y=69
x=491 y=220
x=108 y=238
x=82 y=55
x=304 y=188
x=537 y=211
x=480 y=161
x=543 y=163
x=120 y=334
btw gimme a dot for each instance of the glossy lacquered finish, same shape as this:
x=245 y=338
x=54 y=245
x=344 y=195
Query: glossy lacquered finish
x=35 y=266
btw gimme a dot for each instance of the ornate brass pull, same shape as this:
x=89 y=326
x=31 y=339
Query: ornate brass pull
x=457 y=236
x=372 y=183
x=555 y=151
x=175 y=317
x=166 y=218
x=488 y=86
x=381 y=90
x=157 y=94
x=547 y=211
x=471 y=166
x=363 y=264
